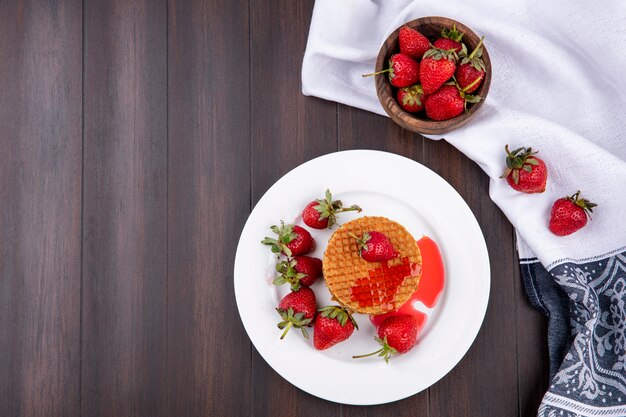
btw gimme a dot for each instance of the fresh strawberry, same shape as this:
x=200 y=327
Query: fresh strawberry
x=412 y=42
x=403 y=71
x=292 y=240
x=299 y=271
x=375 y=247
x=569 y=214
x=450 y=40
x=471 y=68
x=411 y=98
x=333 y=324
x=448 y=45
x=524 y=171
x=448 y=102
x=321 y=214
x=397 y=334
x=297 y=309
x=437 y=67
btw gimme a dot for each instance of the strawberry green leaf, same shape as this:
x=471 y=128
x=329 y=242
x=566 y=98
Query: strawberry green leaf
x=279 y=280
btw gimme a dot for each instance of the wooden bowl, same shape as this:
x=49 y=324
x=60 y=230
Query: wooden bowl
x=431 y=28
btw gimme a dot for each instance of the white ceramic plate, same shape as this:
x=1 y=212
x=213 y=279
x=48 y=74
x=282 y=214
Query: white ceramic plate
x=383 y=184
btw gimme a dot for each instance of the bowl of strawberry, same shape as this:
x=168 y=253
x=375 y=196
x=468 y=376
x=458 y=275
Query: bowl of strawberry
x=432 y=75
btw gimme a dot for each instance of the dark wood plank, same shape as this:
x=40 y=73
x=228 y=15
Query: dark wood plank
x=209 y=358
x=358 y=129
x=532 y=352
x=484 y=383
x=287 y=130
x=125 y=208
x=40 y=212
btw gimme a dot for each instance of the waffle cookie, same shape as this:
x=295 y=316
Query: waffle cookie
x=371 y=287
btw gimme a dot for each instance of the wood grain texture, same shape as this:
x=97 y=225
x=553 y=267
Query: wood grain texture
x=40 y=212
x=287 y=130
x=118 y=240
x=532 y=352
x=125 y=216
x=431 y=28
x=209 y=354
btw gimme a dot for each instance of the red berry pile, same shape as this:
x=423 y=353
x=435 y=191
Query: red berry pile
x=436 y=77
x=298 y=309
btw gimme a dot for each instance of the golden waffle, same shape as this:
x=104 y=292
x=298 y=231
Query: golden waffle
x=371 y=287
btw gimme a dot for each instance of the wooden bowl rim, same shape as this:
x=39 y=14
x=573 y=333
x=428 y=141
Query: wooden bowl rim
x=416 y=123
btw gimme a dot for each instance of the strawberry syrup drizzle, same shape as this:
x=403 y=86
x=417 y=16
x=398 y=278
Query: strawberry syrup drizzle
x=430 y=286
x=383 y=281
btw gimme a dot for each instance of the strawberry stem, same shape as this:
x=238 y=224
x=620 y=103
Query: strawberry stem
x=282 y=336
x=477 y=48
x=376 y=73
x=351 y=208
x=472 y=84
x=369 y=354
x=361 y=242
x=385 y=351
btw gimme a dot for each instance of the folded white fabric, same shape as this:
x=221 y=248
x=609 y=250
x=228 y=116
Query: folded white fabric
x=558 y=82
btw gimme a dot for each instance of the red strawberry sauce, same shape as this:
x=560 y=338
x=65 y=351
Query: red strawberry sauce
x=385 y=276
x=430 y=286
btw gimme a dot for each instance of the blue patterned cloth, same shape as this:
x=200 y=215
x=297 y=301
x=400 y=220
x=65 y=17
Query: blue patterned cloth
x=585 y=303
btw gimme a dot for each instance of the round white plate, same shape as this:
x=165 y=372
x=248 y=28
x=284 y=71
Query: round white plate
x=383 y=184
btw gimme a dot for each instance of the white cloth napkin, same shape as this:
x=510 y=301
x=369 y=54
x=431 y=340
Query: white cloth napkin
x=558 y=82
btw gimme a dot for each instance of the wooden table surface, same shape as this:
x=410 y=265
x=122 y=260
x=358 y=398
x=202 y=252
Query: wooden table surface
x=135 y=138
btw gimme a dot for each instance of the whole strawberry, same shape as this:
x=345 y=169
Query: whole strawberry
x=397 y=334
x=569 y=214
x=524 y=171
x=403 y=71
x=471 y=68
x=437 y=67
x=450 y=40
x=375 y=247
x=299 y=271
x=297 y=309
x=321 y=214
x=448 y=102
x=292 y=240
x=333 y=325
x=411 y=98
x=412 y=42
